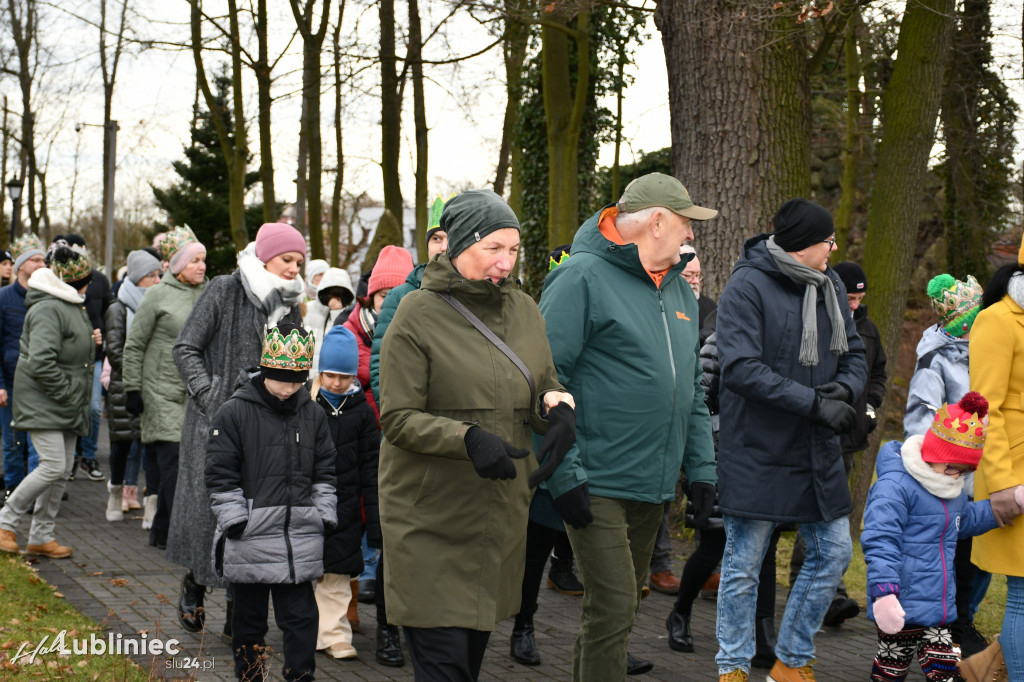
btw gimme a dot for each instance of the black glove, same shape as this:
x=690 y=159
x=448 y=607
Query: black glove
x=491 y=456
x=235 y=531
x=703 y=496
x=834 y=390
x=574 y=506
x=872 y=418
x=834 y=414
x=559 y=438
x=133 y=402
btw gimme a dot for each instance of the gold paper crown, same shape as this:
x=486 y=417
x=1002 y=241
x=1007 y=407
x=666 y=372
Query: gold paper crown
x=26 y=242
x=293 y=352
x=966 y=431
x=958 y=299
x=175 y=240
x=71 y=270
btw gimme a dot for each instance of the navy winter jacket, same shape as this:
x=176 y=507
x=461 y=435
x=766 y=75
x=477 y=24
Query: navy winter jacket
x=12 y=320
x=910 y=536
x=774 y=463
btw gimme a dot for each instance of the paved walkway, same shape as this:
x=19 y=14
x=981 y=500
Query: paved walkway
x=116 y=578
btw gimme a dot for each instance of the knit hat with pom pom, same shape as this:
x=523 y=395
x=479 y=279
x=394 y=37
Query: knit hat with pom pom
x=957 y=434
x=956 y=302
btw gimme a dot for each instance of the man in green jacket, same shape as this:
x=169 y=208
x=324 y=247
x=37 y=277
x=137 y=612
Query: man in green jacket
x=624 y=333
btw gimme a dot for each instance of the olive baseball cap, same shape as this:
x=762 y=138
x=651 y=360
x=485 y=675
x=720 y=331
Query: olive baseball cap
x=658 y=189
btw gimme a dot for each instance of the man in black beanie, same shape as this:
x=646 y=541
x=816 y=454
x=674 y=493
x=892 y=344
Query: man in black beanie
x=792 y=364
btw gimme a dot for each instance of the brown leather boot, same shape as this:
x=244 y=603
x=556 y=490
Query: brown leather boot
x=8 y=542
x=51 y=549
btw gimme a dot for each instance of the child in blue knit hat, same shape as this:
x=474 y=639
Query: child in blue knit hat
x=356 y=436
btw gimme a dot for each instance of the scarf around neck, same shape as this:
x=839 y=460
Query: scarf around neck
x=1015 y=288
x=272 y=295
x=939 y=485
x=814 y=280
x=131 y=295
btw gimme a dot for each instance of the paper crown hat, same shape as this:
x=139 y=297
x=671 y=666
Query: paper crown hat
x=957 y=302
x=287 y=353
x=70 y=266
x=26 y=242
x=957 y=435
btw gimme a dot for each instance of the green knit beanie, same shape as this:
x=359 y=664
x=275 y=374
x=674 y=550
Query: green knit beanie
x=472 y=215
x=957 y=303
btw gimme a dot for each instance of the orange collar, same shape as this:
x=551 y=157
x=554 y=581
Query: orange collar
x=606 y=224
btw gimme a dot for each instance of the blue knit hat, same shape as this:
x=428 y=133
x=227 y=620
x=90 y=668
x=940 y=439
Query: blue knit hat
x=338 y=352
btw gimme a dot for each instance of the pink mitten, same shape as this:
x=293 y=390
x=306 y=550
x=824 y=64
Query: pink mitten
x=889 y=614
x=1018 y=495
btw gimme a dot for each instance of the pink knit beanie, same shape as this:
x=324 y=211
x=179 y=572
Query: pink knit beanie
x=184 y=256
x=393 y=265
x=273 y=239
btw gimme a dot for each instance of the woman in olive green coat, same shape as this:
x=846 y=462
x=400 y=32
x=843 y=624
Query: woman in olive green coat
x=456 y=415
x=52 y=389
x=152 y=384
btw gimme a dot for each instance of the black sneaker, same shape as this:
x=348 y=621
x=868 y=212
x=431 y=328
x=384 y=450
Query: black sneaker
x=92 y=469
x=970 y=640
x=74 y=468
x=562 y=577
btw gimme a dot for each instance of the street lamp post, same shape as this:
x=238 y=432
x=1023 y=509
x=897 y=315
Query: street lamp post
x=14 y=186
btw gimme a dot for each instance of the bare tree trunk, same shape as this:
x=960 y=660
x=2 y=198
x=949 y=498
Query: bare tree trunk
x=339 y=175
x=851 y=155
x=514 y=49
x=262 y=70
x=391 y=112
x=563 y=108
x=23 y=31
x=419 y=112
x=5 y=224
x=616 y=182
x=741 y=145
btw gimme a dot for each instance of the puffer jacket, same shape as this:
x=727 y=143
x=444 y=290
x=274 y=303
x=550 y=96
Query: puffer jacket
x=356 y=437
x=273 y=470
x=387 y=312
x=941 y=375
x=122 y=425
x=53 y=380
x=12 y=320
x=910 y=535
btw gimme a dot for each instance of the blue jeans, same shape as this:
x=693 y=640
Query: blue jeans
x=133 y=464
x=87 y=443
x=370 y=558
x=979 y=588
x=1012 y=637
x=828 y=554
x=15 y=443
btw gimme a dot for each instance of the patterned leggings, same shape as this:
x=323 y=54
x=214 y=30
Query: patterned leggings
x=934 y=647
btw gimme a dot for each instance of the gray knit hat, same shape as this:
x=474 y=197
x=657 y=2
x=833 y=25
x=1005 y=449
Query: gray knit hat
x=472 y=215
x=140 y=264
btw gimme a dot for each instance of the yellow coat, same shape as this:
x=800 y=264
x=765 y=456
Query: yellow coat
x=997 y=372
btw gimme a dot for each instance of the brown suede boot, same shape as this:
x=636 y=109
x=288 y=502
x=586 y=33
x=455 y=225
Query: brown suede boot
x=8 y=542
x=51 y=549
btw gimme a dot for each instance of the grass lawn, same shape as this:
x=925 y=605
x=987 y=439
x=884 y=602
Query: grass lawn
x=31 y=610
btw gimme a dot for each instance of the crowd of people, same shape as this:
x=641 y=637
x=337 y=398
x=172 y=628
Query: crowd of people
x=429 y=439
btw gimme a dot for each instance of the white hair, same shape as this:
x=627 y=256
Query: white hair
x=630 y=222
x=687 y=248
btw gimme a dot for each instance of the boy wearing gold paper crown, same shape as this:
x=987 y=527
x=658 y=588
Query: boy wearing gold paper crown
x=270 y=476
x=915 y=513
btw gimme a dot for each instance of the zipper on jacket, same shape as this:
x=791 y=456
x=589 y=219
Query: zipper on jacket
x=672 y=364
x=288 y=513
x=942 y=555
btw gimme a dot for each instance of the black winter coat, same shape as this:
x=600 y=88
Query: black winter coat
x=874 y=390
x=98 y=299
x=123 y=426
x=274 y=471
x=774 y=463
x=356 y=437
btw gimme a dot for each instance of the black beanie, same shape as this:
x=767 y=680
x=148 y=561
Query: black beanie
x=472 y=215
x=852 y=276
x=801 y=223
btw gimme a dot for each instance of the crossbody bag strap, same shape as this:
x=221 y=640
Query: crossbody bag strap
x=493 y=338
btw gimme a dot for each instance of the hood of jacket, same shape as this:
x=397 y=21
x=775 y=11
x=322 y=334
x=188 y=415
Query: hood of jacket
x=44 y=282
x=589 y=239
x=336 y=277
x=934 y=338
x=440 y=275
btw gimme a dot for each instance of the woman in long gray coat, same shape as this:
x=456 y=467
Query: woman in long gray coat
x=221 y=339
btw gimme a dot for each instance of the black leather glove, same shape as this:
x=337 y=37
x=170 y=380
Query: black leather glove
x=872 y=418
x=834 y=390
x=491 y=456
x=133 y=402
x=559 y=438
x=235 y=531
x=574 y=506
x=710 y=378
x=834 y=414
x=703 y=496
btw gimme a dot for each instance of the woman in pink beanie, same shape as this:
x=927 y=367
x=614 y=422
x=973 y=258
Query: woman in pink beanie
x=393 y=265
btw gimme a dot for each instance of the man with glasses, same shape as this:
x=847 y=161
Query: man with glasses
x=792 y=363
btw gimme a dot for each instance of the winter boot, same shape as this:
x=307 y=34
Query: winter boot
x=967 y=636
x=679 y=638
x=389 y=646
x=562 y=577
x=114 y=494
x=8 y=542
x=764 y=632
x=191 y=614
x=148 y=511
x=524 y=647
x=130 y=499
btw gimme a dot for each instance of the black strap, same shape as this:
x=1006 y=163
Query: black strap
x=493 y=338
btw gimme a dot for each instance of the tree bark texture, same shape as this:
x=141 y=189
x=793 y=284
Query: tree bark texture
x=263 y=99
x=740 y=117
x=419 y=114
x=851 y=154
x=514 y=51
x=339 y=175
x=563 y=108
x=390 y=112
x=23 y=29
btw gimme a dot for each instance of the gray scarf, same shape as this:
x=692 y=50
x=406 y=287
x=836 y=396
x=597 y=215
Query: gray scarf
x=131 y=296
x=814 y=279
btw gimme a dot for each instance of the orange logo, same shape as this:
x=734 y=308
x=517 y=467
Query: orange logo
x=681 y=316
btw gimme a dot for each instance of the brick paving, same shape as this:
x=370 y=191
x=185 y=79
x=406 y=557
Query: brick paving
x=118 y=579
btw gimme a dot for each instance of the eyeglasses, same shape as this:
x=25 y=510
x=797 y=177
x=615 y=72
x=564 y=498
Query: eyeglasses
x=690 y=276
x=831 y=241
x=959 y=469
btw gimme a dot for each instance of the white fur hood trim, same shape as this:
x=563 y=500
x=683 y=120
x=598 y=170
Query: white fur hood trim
x=46 y=281
x=937 y=484
x=261 y=281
